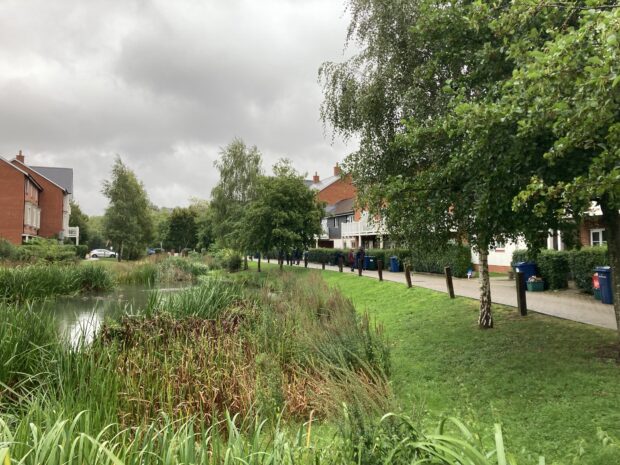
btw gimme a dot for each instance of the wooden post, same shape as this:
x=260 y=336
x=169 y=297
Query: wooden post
x=323 y=264
x=306 y=261
x=340 y=263
x=380 y=269
x=448 y=272
x=259 y=263
x=245 y=262
x=521 y=299
x=268 y=259
x=360 y=265
x=408 y=275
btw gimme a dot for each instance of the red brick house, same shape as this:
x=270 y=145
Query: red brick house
x=34 y=201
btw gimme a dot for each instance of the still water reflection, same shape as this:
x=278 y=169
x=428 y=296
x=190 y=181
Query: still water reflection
x=78 y=318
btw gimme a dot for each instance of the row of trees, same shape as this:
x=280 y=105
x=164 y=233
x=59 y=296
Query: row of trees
x=253 y=212
x=249 y=211
x=482 y=121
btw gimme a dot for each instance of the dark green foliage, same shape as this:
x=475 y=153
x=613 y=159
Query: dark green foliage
x=127 y=222
x=81 y=250
x=81 y=220
x=240 y=170
x=582 y=263
x=182 y=230
x=228 y=259
x=554 y=267
x=522 y=255
x=458 y=257
x=48 y=250
x=7 y=250
x=37 y=282
x=285 y=215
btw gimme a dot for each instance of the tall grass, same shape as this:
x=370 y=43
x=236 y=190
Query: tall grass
x=161 y=270
x=23 y=333
x=35 y=282
x=61 y=440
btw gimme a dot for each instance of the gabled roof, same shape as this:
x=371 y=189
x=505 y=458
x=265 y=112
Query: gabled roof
x=41 y=174
x=25 y=173
x=62 y=177
x=319 y=186
x=343 y=207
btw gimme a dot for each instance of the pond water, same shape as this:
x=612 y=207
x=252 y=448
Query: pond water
x=79 y=318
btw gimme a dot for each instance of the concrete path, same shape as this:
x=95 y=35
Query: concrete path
x=568 y=304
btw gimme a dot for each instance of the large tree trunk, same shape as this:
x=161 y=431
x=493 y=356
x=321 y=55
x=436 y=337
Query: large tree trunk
x=612 y=221
x=485 y=319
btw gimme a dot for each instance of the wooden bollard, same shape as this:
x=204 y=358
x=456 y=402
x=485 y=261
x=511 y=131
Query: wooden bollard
x=268 y=259
x=380 y=269
x=323 y=264
x=340 y=263
x=408 y=275
x=360 y=265
x=449 y=284
x=305 y=262
x=521 y=299
x=245 y=262
x=259 y=263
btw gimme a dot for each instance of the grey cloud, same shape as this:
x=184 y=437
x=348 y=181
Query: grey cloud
x=165 y=85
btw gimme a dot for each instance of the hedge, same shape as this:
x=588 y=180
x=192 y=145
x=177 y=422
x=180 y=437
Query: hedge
x=556 y=267
x=458 y=257
x=582 y=263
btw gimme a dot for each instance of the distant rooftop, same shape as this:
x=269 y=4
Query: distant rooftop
x=343 y=207
x=61 y=176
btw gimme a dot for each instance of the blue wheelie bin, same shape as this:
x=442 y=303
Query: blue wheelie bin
x=394 y=268
x=604 y=279
x=527 y=268
x=370 y=262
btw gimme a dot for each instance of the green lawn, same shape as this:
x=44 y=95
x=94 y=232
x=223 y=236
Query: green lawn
x=551 y=383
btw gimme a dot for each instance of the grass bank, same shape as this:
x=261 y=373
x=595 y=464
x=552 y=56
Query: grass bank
x=554 y=385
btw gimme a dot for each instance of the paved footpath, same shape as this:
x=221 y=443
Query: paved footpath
x=568 y=304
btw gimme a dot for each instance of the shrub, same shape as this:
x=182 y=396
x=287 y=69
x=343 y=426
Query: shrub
x=7 y=250
x=457 y=257
x=49 y=250
x=582 y=263
x=81 y=250
x=554 y=267
x=521 y=255
x=228 y=259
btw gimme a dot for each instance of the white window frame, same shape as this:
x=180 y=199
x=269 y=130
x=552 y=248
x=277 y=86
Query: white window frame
x=600 y=231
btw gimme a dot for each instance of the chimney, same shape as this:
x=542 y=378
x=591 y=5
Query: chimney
x=20 y=157
x=337 y=170
x=315 y=178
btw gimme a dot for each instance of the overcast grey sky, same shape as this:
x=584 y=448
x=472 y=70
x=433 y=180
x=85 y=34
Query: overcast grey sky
x=165 y=84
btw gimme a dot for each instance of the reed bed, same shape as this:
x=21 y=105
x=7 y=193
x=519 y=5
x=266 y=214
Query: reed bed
x=36 y=282
x=235 y=370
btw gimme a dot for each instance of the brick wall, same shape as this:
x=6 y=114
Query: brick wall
x=340 y=190
x=11 y=203
x=586 y=225
x=50 y=202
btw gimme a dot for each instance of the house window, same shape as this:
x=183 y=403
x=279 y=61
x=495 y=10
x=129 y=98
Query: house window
x=598 y=237
x=499 y=246
x=335 y=223
x=350 y=219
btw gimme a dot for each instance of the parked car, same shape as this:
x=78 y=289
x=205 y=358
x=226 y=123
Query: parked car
x=102 y=253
